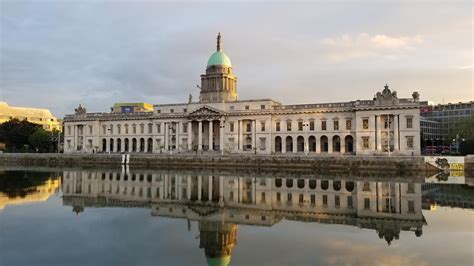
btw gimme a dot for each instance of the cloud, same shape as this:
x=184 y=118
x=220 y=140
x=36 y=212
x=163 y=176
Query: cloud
x=347 y=47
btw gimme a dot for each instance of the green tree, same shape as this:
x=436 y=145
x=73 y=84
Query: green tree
x=41 y=140
x=15 y=133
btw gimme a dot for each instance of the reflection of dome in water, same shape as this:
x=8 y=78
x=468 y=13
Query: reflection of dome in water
x=218 y=239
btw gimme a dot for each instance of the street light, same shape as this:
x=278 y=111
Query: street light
x=221 y=145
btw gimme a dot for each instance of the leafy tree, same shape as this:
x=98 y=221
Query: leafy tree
x=41 y=140
x=16 y=133
x=464 y=131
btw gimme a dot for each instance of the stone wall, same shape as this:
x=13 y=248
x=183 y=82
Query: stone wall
x=350 y=164
x=469 y=166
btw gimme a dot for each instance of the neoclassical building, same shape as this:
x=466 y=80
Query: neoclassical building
x=220 y=122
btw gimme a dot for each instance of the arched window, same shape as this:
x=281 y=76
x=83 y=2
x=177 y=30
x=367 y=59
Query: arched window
x=278 y=182
x=289 y=183
x=300 y=183
x=349 y=186
x=312 y=184
x=336 y=185
x=324 y=184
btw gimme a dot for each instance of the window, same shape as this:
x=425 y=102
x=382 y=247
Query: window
x=325 y=200
x=337 y=201
x=158 y=128
x=247 y=107
x=409 y=142
x=185 y=110
x=311 y=125
x=366 y=203
x=365 y=143
x=366 y=186
x=278 y=197
x=263 y=197
x=262 y=126
x=409 y=122
x=119 y=129
x=349 y=202
x=134 y=127
x=277 y=125
x=313 y=199
x=158 y=111
x=142 y=128
x=288 y=126
x=289 y=198
x=301 y=199
x=69 y=130
x=336 y=125
x=90 y=130
x=411 y=206
x=411 y=188
x=126 y=129
x=231 y=108
x=323 y=125
x=185 y=127
x=231 y=126
x=348 y=124
x=300 y=125
x=231 y=196
x=262 y=106
x=365 y=123
x=171 y=110
x=249 y=127
x=263 y=143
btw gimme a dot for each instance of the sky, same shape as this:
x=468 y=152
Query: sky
x=58 y=54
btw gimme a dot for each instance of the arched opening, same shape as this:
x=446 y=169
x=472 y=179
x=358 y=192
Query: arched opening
x=142 y=145
x=126 y=145
x=278 y=182
x=104 y=145
x=300 y=183
x=336 y=185
x=150 y=145
x=312 y=143
x=324 y=144
x=312 y=184
x=111 y=145
x=349 y=186
x=278 y=144
x=336 y=144
x=289 y=183
x=134 y=145
x=289 y=144
x=300 y=144
x=324 y=184
x=349 y=140
x=119 y=145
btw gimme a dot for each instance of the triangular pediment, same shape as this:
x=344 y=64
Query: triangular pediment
x=206 y=111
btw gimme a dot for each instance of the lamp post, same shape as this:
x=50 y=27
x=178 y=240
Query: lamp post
x=221 y=145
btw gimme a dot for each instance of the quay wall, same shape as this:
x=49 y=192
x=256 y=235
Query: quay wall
x=469 y=166
x=395 y=164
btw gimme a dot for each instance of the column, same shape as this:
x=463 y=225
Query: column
x=318 y=144
x=379 y=132
x=199 y=187
x=166 y=128
x=283 y=144
x=221 y=188
x=239 y=142
x=188 y=181
x=306 y=144
x=343 y=145
x=395 y=133
x=254 y=135
x=200 y=135
x=190 y=135
x=178 y=138
x=211 y=146
x=221 y=135
x=295 y=144
x=209 y=190
x=122 y=145
x=329 y=144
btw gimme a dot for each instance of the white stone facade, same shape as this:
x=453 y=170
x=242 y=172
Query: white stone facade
x=383 y=125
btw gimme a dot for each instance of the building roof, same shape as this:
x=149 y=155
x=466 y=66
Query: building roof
x=219 y=58
x=144 y=105
x=7 y=110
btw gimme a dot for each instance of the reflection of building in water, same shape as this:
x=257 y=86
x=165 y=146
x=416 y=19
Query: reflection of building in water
x=219 y=202
x=39 y=193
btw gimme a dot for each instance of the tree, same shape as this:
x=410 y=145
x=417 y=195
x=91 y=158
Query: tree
x=16 y=133
x=41 y=140
x=464 y=135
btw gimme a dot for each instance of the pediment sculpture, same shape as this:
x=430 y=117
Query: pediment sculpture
x=386 y=97
x=80 y=110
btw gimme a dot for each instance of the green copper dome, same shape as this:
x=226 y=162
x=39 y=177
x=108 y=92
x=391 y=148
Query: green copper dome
x=219 y=58
x=224 y=261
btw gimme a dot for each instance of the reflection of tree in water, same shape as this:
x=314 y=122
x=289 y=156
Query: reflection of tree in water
x=21 y=183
